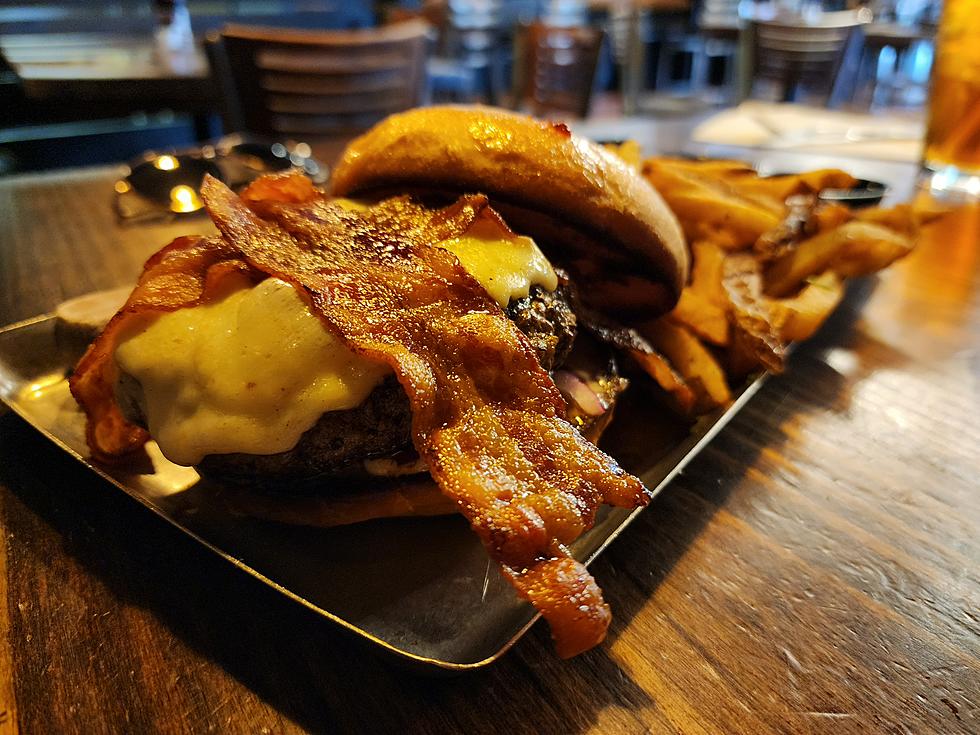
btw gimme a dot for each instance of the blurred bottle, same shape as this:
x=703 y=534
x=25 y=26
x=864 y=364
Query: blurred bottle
x=174 y=38
x=952 y=146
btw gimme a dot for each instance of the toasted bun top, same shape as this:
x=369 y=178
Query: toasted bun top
x=525 y=165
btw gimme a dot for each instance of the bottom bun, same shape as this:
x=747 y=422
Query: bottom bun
x=377 y=497
x=399 y=485
x=413 y=496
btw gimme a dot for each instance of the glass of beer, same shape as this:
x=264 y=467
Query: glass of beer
x=951 y=158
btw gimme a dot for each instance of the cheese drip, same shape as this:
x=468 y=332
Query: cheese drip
x=505 y=266
x=249 y=373
x=254 y=369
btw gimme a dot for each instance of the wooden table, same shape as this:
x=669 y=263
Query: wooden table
x=107 y=73
x=814 y=570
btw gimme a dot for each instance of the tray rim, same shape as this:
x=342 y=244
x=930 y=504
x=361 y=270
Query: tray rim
x=705 y=429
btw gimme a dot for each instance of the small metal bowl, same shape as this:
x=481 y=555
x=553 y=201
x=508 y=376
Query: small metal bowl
x=865 y=194
x=171 y=180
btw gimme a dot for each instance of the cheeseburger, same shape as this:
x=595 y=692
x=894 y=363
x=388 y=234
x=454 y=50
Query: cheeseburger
x=418 y=321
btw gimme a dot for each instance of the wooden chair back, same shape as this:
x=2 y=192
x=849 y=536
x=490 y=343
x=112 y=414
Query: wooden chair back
x=554 y=68
x=799 y=55
x=315 y=84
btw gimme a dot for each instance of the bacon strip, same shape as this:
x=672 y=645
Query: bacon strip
x=486 y=416
x=173 y=278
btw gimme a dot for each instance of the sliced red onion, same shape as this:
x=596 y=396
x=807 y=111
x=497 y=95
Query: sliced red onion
x=578 y=391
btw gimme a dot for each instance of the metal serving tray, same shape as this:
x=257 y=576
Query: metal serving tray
x=433 y=597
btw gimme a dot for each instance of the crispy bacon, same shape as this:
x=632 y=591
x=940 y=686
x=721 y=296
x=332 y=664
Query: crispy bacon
x=173 y=278
x=486 y=417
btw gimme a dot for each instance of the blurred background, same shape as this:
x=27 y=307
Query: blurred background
x=94 y=81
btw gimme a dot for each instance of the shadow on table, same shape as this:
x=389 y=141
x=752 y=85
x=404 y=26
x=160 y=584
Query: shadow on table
x=304 y=668
x=307 y=670
x=660 y=536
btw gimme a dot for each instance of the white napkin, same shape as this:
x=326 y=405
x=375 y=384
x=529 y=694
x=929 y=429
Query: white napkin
x=814 y=130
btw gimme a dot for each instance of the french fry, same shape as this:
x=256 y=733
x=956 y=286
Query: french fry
x=709 y=208
x=705 y=319
x=709 y=265
x=800 y=317
x=745 y=205
x=804 y=218
x=876 y=251
x=629 y=151
x=703 y=306
x=706 y=167
x=905 y=218
x=853 y=249
x=769 y=260
x=679 y=393
x=695 y=363
x=784 y=186
x=827 y=216
x=755 y=340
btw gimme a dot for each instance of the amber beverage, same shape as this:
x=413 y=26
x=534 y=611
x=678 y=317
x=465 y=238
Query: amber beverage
x=953 y=133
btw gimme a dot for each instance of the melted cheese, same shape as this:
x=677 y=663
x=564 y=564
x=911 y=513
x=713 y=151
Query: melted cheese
x=351 y=205
x=505 y=266
x=249 y=373
x=254 y=369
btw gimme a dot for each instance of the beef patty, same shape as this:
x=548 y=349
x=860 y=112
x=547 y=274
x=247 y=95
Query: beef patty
x=382 y=425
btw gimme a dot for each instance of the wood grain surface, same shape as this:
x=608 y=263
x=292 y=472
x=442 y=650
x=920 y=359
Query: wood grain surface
x=815 y=570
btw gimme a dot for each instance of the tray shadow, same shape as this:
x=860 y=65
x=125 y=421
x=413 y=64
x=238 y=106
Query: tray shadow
x=310 y=671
